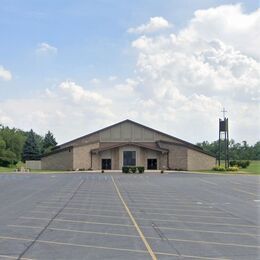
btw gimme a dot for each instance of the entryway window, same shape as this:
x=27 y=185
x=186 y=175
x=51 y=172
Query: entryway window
x=106 y=164
x=129 y=158
x=152 y=164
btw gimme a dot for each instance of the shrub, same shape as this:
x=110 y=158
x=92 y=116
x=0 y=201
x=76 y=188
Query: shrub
x=233 y=163
x=20 y=165
x=240 y=164
x=133 y=169
x=233 y=169
x=125 y=169
x=140 y=169
x=219 y=168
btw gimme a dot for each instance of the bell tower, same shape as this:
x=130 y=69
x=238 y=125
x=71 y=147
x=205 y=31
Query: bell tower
x=223 y=135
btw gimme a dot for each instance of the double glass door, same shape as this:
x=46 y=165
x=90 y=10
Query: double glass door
x=106 y=164
x=152 y=164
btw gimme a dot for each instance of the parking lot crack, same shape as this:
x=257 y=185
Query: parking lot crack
x=50 y=221
x=164 y=238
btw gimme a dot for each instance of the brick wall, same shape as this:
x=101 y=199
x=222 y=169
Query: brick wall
x=82 y=156
x=200 y=161
x=58 y=161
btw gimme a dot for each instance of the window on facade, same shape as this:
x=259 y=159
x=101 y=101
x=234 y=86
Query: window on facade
x=129 y=158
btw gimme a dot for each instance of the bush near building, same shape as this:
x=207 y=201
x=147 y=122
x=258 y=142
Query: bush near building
x=133 y=169
x=240 y=164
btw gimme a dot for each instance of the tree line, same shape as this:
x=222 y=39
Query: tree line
x=237 y=151
x=18 y=145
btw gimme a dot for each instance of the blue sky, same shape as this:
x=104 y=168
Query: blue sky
x=89 y=40
x=91 y=37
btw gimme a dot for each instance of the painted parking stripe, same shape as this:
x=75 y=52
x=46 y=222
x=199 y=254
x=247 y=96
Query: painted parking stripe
x=136 y=212
x=148 y=247
x=102 y=209
x=88 y=209
x=79 y=221
x=239 y=190
x=85 y=214
x=175 y=221
x=209 y=182
x=138 y=206
x=77 y=231
x=74 y=244
x=177 y=229
x=110 y=248
x=15 y=257
x=148 y=237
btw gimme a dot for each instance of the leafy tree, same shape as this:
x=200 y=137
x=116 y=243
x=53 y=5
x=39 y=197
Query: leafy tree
x=11 y=145
x=237 y=151
x=31 y=149
x=48 y=142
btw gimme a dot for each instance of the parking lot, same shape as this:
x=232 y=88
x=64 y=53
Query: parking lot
x=125 y=216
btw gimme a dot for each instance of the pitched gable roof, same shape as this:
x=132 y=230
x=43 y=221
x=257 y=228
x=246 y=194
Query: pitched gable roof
x=125 y=121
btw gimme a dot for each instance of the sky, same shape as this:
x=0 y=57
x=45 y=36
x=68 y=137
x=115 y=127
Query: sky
x=75 y=66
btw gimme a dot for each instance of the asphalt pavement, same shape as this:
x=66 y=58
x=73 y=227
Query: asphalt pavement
x=129 y=216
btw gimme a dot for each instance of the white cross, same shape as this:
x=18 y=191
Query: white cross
x=224 y=112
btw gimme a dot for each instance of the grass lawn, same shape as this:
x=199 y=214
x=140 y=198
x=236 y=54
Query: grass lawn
x=10 y=169
x=6 y=169
x=253 y=168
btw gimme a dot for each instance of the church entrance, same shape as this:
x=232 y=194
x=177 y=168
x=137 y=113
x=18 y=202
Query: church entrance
x=106 y=164
x=151 y=164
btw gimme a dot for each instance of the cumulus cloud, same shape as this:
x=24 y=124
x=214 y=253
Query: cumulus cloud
x=154 y=24
x=68 y=106
x=228 y=23
x=79 y=94
x=181 y=82
x=46 y=49
x=5 y=74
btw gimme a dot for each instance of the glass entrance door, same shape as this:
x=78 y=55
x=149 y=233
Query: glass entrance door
x=106 y=164
x=152 y=164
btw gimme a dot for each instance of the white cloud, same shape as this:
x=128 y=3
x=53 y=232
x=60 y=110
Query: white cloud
x=5 y=74
x=180 y=85
x=228 y=23
x=46 y=49
x=154 y=24
x=79 y=94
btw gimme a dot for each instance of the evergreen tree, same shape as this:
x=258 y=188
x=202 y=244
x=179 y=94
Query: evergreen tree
x=48 y=142
x=31 y=150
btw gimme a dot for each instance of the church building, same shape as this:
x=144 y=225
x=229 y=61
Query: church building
x=127 y=143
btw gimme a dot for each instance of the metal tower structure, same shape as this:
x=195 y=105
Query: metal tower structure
x=223 y=135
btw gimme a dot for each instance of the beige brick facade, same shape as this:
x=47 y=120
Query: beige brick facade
x=199 y=161
x=62 y=160
x=88 y=151
x=82 y=156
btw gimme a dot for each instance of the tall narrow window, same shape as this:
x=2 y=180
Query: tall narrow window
x=129 y=158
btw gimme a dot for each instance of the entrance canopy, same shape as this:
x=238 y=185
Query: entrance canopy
x=107 y=146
